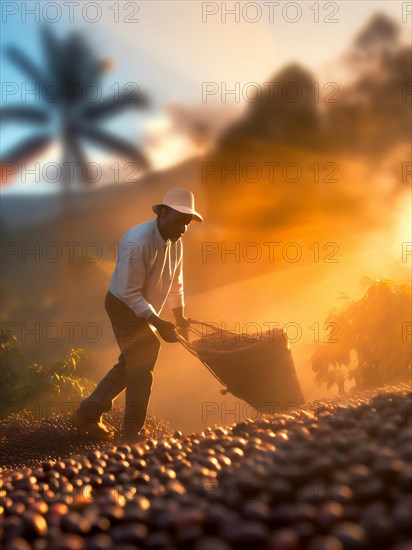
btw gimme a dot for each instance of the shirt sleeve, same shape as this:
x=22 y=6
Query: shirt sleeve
x=175 y=298
x=131 y=274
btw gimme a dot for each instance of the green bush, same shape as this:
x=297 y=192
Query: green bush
x=373 y=347
x=24 y=383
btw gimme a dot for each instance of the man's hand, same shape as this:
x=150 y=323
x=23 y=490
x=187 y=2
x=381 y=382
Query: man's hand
x=181 y=321
x=183 y=326
x=166 y=330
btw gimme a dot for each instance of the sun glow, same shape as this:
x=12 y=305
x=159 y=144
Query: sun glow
x=402 y=234
x=164 y=146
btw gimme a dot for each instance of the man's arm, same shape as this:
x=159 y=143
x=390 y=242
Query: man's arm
x=129 y=280
x=130 y=274
x=142 y=308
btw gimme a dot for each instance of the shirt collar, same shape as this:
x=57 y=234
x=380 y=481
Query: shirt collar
x=159 y=240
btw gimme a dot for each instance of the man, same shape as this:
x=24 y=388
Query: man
x=147 y=276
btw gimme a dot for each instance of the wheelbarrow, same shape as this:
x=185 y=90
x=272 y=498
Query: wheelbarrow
x=258 y=370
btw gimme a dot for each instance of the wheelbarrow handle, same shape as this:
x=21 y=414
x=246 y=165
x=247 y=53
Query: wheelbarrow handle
x=204 y=323
x=185 y=343
x=183 y=340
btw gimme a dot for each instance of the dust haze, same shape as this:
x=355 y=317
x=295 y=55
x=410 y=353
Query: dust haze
x=300 y=201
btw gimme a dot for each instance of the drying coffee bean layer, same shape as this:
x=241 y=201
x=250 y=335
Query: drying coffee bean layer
x=335 y=475
x=225 y=340
x=25 y=441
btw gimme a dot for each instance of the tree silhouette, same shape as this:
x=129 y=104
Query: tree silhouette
x=72 y=68
x=375 y=329
x=373 y=114
x=286 y=111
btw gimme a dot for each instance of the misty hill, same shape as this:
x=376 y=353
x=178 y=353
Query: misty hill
x=366 y=114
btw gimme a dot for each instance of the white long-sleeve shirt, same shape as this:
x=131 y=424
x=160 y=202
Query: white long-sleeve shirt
x=149 y=271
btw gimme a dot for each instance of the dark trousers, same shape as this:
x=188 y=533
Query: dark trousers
x=139 y=348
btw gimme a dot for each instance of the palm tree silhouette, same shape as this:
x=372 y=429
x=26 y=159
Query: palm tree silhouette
x=71 y=117
x=72 y=68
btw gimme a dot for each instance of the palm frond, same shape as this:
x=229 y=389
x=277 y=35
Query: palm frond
x=23 y=114
x=26 y=65
x=86 y=68
x=115 y=145
x=108 y=106
x=31 y=146
x=52 y=49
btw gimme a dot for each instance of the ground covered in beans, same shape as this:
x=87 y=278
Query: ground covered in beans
x=27 y=441
x=334 y=475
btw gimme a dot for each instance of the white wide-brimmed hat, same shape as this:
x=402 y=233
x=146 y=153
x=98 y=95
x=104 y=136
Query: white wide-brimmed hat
x=181 y=200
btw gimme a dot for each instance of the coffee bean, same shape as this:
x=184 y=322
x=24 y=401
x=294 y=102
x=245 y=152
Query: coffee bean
x=338 y=478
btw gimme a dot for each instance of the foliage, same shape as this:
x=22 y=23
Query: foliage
x=374 y=332
x=24 y=382
x=12 y=363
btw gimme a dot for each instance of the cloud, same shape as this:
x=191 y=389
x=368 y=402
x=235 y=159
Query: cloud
x=185 y=131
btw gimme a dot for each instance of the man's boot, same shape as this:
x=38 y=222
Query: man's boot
x=135 y=437
x=94 y=427
x=89 y=414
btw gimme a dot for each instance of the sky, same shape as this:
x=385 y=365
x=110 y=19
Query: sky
x=171 y=49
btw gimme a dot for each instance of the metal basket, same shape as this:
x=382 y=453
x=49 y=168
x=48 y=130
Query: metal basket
x=262 y=373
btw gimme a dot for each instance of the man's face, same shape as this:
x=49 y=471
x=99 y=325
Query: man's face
x=174 y=224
